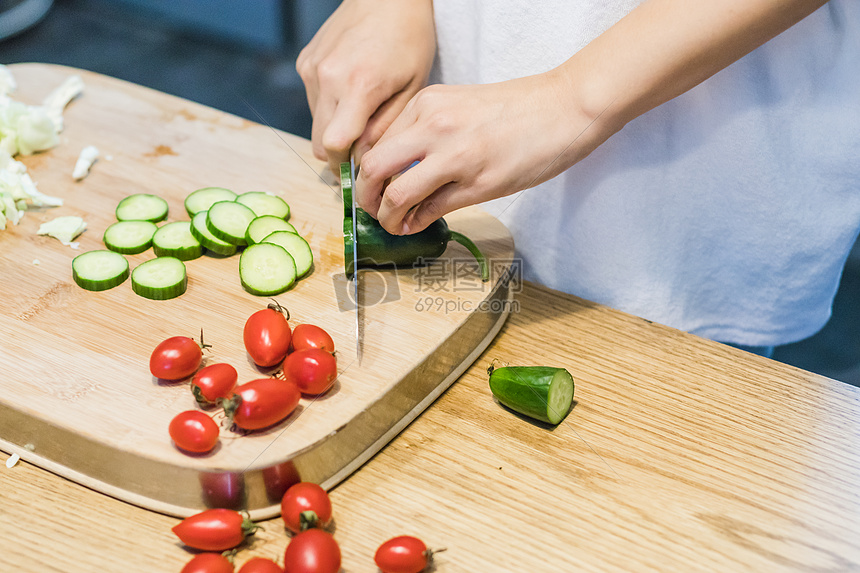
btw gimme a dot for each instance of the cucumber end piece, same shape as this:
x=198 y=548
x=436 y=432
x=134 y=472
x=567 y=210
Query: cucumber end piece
x=560 y=397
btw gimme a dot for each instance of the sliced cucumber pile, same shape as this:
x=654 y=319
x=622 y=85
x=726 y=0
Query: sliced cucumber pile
x=142 y=207
x=129 y=237
x=266 y=269
x=265 y=204
x=265 y=225
x=159 y=279
x=175 y=240
x=222 y=223
x=202 y=199
x=99 y=270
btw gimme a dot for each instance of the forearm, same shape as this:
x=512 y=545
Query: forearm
x=663 y=48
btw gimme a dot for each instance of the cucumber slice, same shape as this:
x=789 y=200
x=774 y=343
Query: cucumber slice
x=204 y=198
x=228 y=221
x=201 y=232
x=129 y=237
x=265 y=204
x=266 y=269
x=540 y=392
x=159 y=279
x=142 y=207
x=175 y=240
x=265 y=225
x=99 y=270
x=296 y=246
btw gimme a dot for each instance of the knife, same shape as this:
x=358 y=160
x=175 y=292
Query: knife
x=347 y=175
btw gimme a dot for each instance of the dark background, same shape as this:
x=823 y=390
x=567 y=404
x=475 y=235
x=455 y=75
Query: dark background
x=239 y=56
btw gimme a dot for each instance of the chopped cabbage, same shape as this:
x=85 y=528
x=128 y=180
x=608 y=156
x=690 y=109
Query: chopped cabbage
x=66 y=229
x=24 y=130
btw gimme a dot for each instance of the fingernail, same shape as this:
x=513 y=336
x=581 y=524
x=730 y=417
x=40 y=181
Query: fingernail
x=405 y=229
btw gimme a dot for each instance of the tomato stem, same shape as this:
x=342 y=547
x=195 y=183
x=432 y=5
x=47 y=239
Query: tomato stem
x=248 y=526
x=276 y=306
x=308 y=519
x=203 y=345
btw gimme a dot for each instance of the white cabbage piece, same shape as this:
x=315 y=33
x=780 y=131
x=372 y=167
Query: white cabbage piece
x=65 y=228
x=10 y=210
x=36 y=131
x=88 y=156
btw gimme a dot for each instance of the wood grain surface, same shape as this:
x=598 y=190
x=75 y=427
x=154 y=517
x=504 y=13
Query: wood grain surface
x=679 y=454
x=78 y=386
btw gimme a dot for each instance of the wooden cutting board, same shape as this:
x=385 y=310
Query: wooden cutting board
x=76 y=394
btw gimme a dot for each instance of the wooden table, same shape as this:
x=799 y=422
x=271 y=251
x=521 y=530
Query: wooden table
x=679 y=454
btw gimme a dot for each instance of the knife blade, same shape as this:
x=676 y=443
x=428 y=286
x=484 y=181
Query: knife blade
x=355 y=290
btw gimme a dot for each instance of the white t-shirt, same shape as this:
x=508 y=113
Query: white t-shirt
x=727 y=212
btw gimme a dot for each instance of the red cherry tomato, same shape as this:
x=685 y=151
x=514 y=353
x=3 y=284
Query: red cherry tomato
x=311 y=336
x=313 y=370
x=175 y=358
x=208 y=563
x=267 y=336
x=404 y=554
x=194 y=431
x=213 y=382
x=312 y=551
x=261 y=403
x=305 y=497
x=214 y=529
x=260 y=565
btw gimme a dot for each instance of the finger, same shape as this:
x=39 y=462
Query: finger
x=347 y=123
x=395 y=151
x=446 y=199
x=379 y=122
x=322 y=118
x=409 y=190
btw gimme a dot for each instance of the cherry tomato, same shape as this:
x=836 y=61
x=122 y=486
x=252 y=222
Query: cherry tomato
x=208 y=563
x=404 y=554
x=267 y=336
x=194 y=431
x=261 y=403
x=175 y=358
x=311 y=336
x=305 y=497
x=213 y=382
x=312 y=551
x=313 y=370
x=214 y=529
x=260 y=565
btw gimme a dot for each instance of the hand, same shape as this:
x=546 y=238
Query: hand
x=361 y=68
x=473 y=144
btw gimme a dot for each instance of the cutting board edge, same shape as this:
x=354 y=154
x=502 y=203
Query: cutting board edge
x=252 y=483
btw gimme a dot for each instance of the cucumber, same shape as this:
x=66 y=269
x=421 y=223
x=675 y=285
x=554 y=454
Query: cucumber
x=265 y=204
x=296 y=246
x=204 y=198
x=142 y=207
x=159 y=279
x=175 y=240
x=265 y=225
x=129 y=237
x=266 y=269
x=540 y=392
x=99 y=270
x=229 y=220
x=201 y=232
x=346 y=188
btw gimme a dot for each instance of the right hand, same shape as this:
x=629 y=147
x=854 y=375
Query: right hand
x=361 y=68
